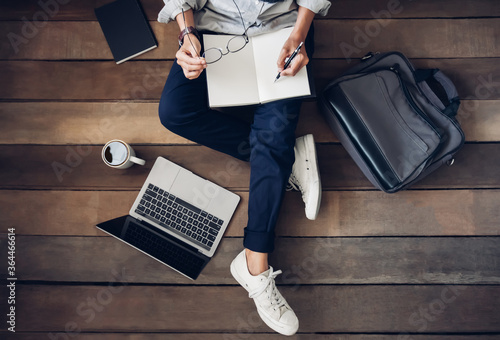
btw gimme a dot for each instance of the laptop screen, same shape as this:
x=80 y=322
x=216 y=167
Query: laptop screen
x=157 y=244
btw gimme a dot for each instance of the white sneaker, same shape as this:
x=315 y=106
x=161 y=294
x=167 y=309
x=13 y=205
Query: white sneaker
x=305 y=175
x=271 y=305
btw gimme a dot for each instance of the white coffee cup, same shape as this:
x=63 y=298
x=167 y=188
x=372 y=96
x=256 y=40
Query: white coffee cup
x=119 y=155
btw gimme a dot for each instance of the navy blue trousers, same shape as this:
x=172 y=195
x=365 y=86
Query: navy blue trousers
x=267 y=144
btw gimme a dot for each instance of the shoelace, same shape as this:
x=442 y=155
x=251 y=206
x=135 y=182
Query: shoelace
x=269 y=281
x=293 y=184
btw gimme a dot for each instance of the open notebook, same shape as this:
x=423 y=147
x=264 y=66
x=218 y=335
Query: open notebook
x=247 y=76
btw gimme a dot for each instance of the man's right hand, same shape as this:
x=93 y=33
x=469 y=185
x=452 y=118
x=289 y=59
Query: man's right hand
x=188 y=57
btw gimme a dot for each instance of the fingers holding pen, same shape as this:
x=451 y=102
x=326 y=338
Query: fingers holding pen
x=296 y=65
x=292 y=57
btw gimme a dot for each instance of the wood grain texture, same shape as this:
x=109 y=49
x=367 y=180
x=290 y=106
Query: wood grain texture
x=96 y=123
x=354 y=39
x=342 y=213
x=352 y=309
x=47 y=80
x=84 y=10
x=475 y=78
x=244 y=335
x=413 y=9
x=372 y=266
x=76 y=40
x=91 y=123
x=306 y=261
x=458 y=38
x=81 y=167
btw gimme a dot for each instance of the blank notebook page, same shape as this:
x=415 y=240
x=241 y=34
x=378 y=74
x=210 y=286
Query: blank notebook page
x=267 y=48
x=231 y=81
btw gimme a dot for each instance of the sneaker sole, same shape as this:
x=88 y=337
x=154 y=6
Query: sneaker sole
x=271 y=324
x=311 y=150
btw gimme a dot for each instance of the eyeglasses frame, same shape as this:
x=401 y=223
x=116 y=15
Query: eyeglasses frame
x=244 y=35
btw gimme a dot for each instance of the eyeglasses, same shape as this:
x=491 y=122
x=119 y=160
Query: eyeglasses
x=234 y=44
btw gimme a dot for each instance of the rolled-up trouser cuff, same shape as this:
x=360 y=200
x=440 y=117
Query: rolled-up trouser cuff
x=262 y=242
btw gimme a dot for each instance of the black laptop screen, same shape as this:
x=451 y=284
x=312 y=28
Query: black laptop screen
x=157 y=244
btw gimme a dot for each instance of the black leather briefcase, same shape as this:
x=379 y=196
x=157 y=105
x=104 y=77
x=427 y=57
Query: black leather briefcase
x=397 y=123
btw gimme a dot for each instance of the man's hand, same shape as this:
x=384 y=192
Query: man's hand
x=188 y=57
x=300 y=60
x=299 y=33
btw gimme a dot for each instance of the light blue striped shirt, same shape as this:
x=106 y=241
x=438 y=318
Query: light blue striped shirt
x=222 y=15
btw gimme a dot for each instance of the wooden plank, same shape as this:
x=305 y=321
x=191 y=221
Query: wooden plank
x=84 y=10
x=51 y=123
x=354 y=39
x=83 y=80
x=91 y=123
x=473 y=113
x=379 y=260
x=476 y=78
x=459 y=38
x=413 y=9
x=46 y=80
x=249 y=336
x=77 y=40
x=63 y=164
x=81 y=167
x=352 y=309
x=67 y=10
x=342 y=213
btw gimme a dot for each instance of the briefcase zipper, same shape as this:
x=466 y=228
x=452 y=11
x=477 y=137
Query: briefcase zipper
x=411 y=101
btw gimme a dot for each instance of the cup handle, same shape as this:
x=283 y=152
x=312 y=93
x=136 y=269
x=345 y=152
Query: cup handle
x=137 y=160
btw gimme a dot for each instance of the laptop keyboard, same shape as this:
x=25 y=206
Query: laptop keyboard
x=180 y=217
x=163 y=250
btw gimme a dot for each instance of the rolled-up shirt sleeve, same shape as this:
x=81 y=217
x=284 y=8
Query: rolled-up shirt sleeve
x=173 y=7
x=320 y=7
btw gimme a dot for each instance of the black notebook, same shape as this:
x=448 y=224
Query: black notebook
x=126 y=29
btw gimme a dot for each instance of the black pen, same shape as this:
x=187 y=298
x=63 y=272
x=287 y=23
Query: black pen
x=290 y=59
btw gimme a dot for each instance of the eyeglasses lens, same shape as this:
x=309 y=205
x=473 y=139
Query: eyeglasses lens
x=236 y=43
x=212 y=55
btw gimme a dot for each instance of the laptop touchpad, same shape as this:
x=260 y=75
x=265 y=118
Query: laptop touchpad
x=193 y=189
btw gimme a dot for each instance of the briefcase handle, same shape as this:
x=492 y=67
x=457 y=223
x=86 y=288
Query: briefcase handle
x=442 y=87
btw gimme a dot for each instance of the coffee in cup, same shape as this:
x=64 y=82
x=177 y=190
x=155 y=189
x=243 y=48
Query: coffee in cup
x=119 y=155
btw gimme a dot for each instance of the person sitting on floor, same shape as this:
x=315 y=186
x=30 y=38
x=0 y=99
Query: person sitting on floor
x=277 y=159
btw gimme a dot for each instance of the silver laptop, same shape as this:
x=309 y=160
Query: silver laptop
x=178 y=218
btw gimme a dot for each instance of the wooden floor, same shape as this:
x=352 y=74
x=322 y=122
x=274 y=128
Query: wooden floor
x=420 y=264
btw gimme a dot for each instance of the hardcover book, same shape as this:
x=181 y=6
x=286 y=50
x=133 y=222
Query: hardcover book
x=126 y=29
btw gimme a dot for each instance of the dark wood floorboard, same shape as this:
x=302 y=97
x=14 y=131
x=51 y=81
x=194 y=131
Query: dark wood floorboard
x=476 y=78
x=84 y=40
x=344 y=308
x=247 y=333
x=81 y=167
x=84 y=10
x=343 y=213
x=354 y=260
x=89 y=122
x=419 y=264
